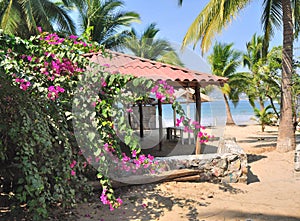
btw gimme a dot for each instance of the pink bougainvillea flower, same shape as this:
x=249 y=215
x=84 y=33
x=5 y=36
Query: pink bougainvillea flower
x=29 y=58
x=106 y=65
x=134 y=153
x=19 y=80
x=154 y=89
x=179 y=121
x=53 y=91
x=119 y=201
x=73 y=173
x=160 y=96
x=73 y=37
x=72 y=165
x=25 y=85
x=129 y=110
x=60 y=89
x=39 y=29
x=150 y=157
x=103 y=83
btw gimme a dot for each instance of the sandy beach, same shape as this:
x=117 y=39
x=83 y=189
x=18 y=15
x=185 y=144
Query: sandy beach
x=272 y=192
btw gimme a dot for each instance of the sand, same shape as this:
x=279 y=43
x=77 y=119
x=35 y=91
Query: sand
x=273 y=192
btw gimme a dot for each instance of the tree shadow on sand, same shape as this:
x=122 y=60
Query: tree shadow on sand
x=239 y=215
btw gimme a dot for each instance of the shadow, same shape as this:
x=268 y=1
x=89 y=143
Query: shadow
x=135 y=207
x=238 y=215
x=254 y=157
x=228 y=188
x=252 y=178
x=208 y=149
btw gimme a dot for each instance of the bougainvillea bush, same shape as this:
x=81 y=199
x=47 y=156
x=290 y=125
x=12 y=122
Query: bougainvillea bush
x=60 y=115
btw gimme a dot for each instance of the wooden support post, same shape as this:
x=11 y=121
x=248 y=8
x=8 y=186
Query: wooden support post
x=198 y=117
x=160 y=124
x=141 y=119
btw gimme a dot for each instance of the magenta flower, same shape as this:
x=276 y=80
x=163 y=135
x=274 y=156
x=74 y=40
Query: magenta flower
x=29 y=58
x=103 y=83
x=40 y=29
x=154 y=89
x=150 y=157
x=19 y=80
x=73 y=37
x=160 y=96
x=134 y=153
x=119 y=201
x=72 y=165
x=73 y=173
x=179 y=121
x=53 y=92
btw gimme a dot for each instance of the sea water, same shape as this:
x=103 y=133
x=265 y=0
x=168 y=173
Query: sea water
x=214 y=113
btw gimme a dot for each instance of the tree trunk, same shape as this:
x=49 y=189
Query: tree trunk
x=286 y=136
x=229 y=120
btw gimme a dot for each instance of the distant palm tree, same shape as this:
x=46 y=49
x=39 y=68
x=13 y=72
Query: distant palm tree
x=22 y=17
x=224 y=61
x=147 y=45
x=263 y=116
x=106 y=20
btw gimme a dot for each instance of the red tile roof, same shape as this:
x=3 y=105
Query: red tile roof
x=141 y=67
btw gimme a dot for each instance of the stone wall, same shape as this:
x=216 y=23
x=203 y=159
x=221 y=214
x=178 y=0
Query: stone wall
x=228 y=165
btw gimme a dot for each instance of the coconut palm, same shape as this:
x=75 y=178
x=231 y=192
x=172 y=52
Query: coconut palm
x=22 y=17
x=106 y=20
x=147 y=45
x=276 y=13
x=224 y=61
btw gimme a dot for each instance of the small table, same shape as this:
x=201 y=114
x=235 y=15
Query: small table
x=171 y=136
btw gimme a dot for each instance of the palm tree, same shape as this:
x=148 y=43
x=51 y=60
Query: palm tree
x=105 y=19
x=276 y=13
x=263 y=116
x=22 y=17
x=147 y=45
x=253 y=60
x=224 y=61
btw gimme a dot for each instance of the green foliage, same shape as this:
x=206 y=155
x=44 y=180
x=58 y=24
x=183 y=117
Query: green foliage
x=263 y=116
x=106 y=19
x=37 y=143
x=22 y=17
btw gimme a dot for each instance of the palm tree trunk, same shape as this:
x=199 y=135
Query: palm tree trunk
x=286 y=136
x=229 y=120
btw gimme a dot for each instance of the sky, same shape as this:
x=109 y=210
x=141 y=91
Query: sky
x=174 y=21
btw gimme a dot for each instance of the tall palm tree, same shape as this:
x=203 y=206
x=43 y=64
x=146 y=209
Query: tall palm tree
x=276 y=13
x=106 y=20
x=224 y=61
x=147 y=45
x=22 y=17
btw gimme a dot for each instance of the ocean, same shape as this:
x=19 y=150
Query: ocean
x=214 y=113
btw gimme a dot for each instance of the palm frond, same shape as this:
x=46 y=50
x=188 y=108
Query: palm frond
x=271 y=17
x=212 y=19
